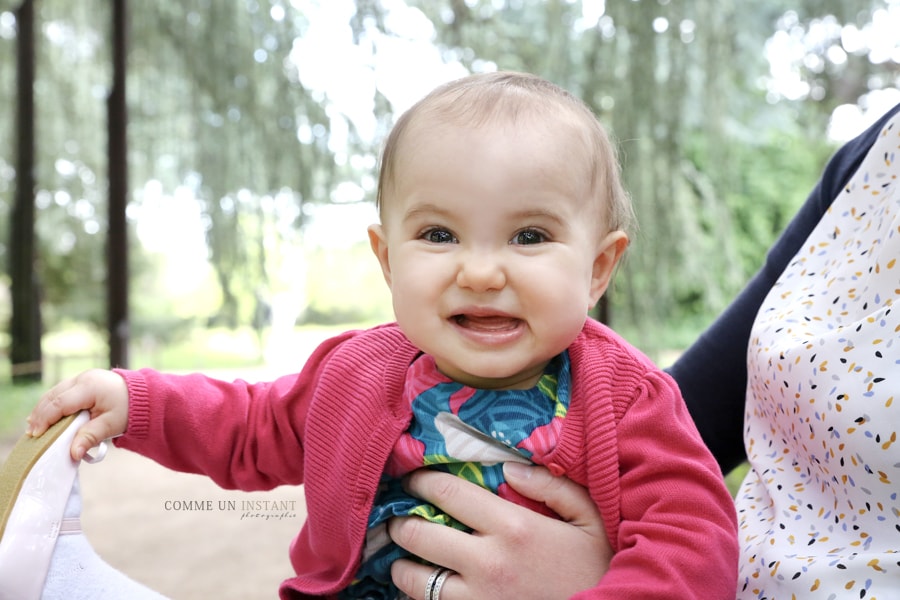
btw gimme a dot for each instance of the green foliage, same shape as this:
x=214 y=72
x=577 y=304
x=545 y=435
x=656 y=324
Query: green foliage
x=776 y=175
x=224 y=117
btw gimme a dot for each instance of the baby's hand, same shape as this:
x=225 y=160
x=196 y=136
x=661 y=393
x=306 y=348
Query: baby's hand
x=102 y=392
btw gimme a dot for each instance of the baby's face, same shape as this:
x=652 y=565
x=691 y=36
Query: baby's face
x=493 y=245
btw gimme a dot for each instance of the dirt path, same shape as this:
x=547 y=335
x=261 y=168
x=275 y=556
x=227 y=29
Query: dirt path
x=184 y=536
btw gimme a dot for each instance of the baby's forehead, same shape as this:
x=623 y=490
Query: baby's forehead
x=544 y=120
x=427 y=130
x=511 y=111
x=539 y=155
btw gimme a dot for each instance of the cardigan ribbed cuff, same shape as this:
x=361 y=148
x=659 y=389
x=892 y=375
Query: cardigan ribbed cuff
x=138 y=404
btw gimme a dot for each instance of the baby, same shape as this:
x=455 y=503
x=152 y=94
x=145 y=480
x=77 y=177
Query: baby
x=502 y=220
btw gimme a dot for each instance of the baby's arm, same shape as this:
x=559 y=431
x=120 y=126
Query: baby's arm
x=242 y=435
x=678 y=533
x=102 y=392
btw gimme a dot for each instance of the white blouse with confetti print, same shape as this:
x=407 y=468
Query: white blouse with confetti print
x=819 y=509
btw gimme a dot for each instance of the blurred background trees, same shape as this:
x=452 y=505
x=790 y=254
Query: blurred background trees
x=255 y=126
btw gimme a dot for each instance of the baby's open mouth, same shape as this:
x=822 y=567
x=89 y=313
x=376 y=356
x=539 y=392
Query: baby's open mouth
x=487 y=323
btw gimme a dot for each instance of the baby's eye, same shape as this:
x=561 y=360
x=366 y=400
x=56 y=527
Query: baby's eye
x=438 y=236
x=528 y=236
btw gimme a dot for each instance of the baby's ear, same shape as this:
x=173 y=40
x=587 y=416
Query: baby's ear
x=609 y=252
x=378 y=242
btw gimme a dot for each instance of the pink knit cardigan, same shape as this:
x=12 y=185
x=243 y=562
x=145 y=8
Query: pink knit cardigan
x=627 y=437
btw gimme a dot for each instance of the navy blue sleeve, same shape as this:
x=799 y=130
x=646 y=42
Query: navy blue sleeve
x=712 y=372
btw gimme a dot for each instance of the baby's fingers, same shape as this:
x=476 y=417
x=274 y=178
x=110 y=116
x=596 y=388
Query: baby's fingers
x=102 y=392
x=91 y=435
x=53 y=405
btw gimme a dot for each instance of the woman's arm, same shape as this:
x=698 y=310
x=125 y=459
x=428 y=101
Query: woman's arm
x=712 y=373
x=513 y=552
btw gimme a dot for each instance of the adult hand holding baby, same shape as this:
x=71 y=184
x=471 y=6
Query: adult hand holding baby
x=488 y=562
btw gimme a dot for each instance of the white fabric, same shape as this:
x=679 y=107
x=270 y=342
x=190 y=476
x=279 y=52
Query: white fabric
x=819 y=509
x=78 y=573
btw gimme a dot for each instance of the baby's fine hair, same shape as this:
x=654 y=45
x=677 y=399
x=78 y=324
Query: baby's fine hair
x=507 y=95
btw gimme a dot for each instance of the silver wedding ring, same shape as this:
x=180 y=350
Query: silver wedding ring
x=436 y=582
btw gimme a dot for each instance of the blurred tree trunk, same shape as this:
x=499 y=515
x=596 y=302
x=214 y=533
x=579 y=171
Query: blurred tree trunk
x=117 y=241
x=25 y=326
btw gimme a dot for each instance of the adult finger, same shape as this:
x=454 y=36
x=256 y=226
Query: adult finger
x=565 y=497
x=433 y=542
x=468 y=503
x=412 y=577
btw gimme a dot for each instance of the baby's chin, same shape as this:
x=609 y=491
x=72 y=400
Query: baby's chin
x=494 y=379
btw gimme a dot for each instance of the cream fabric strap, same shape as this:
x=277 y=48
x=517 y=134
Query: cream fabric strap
x=69 y=526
